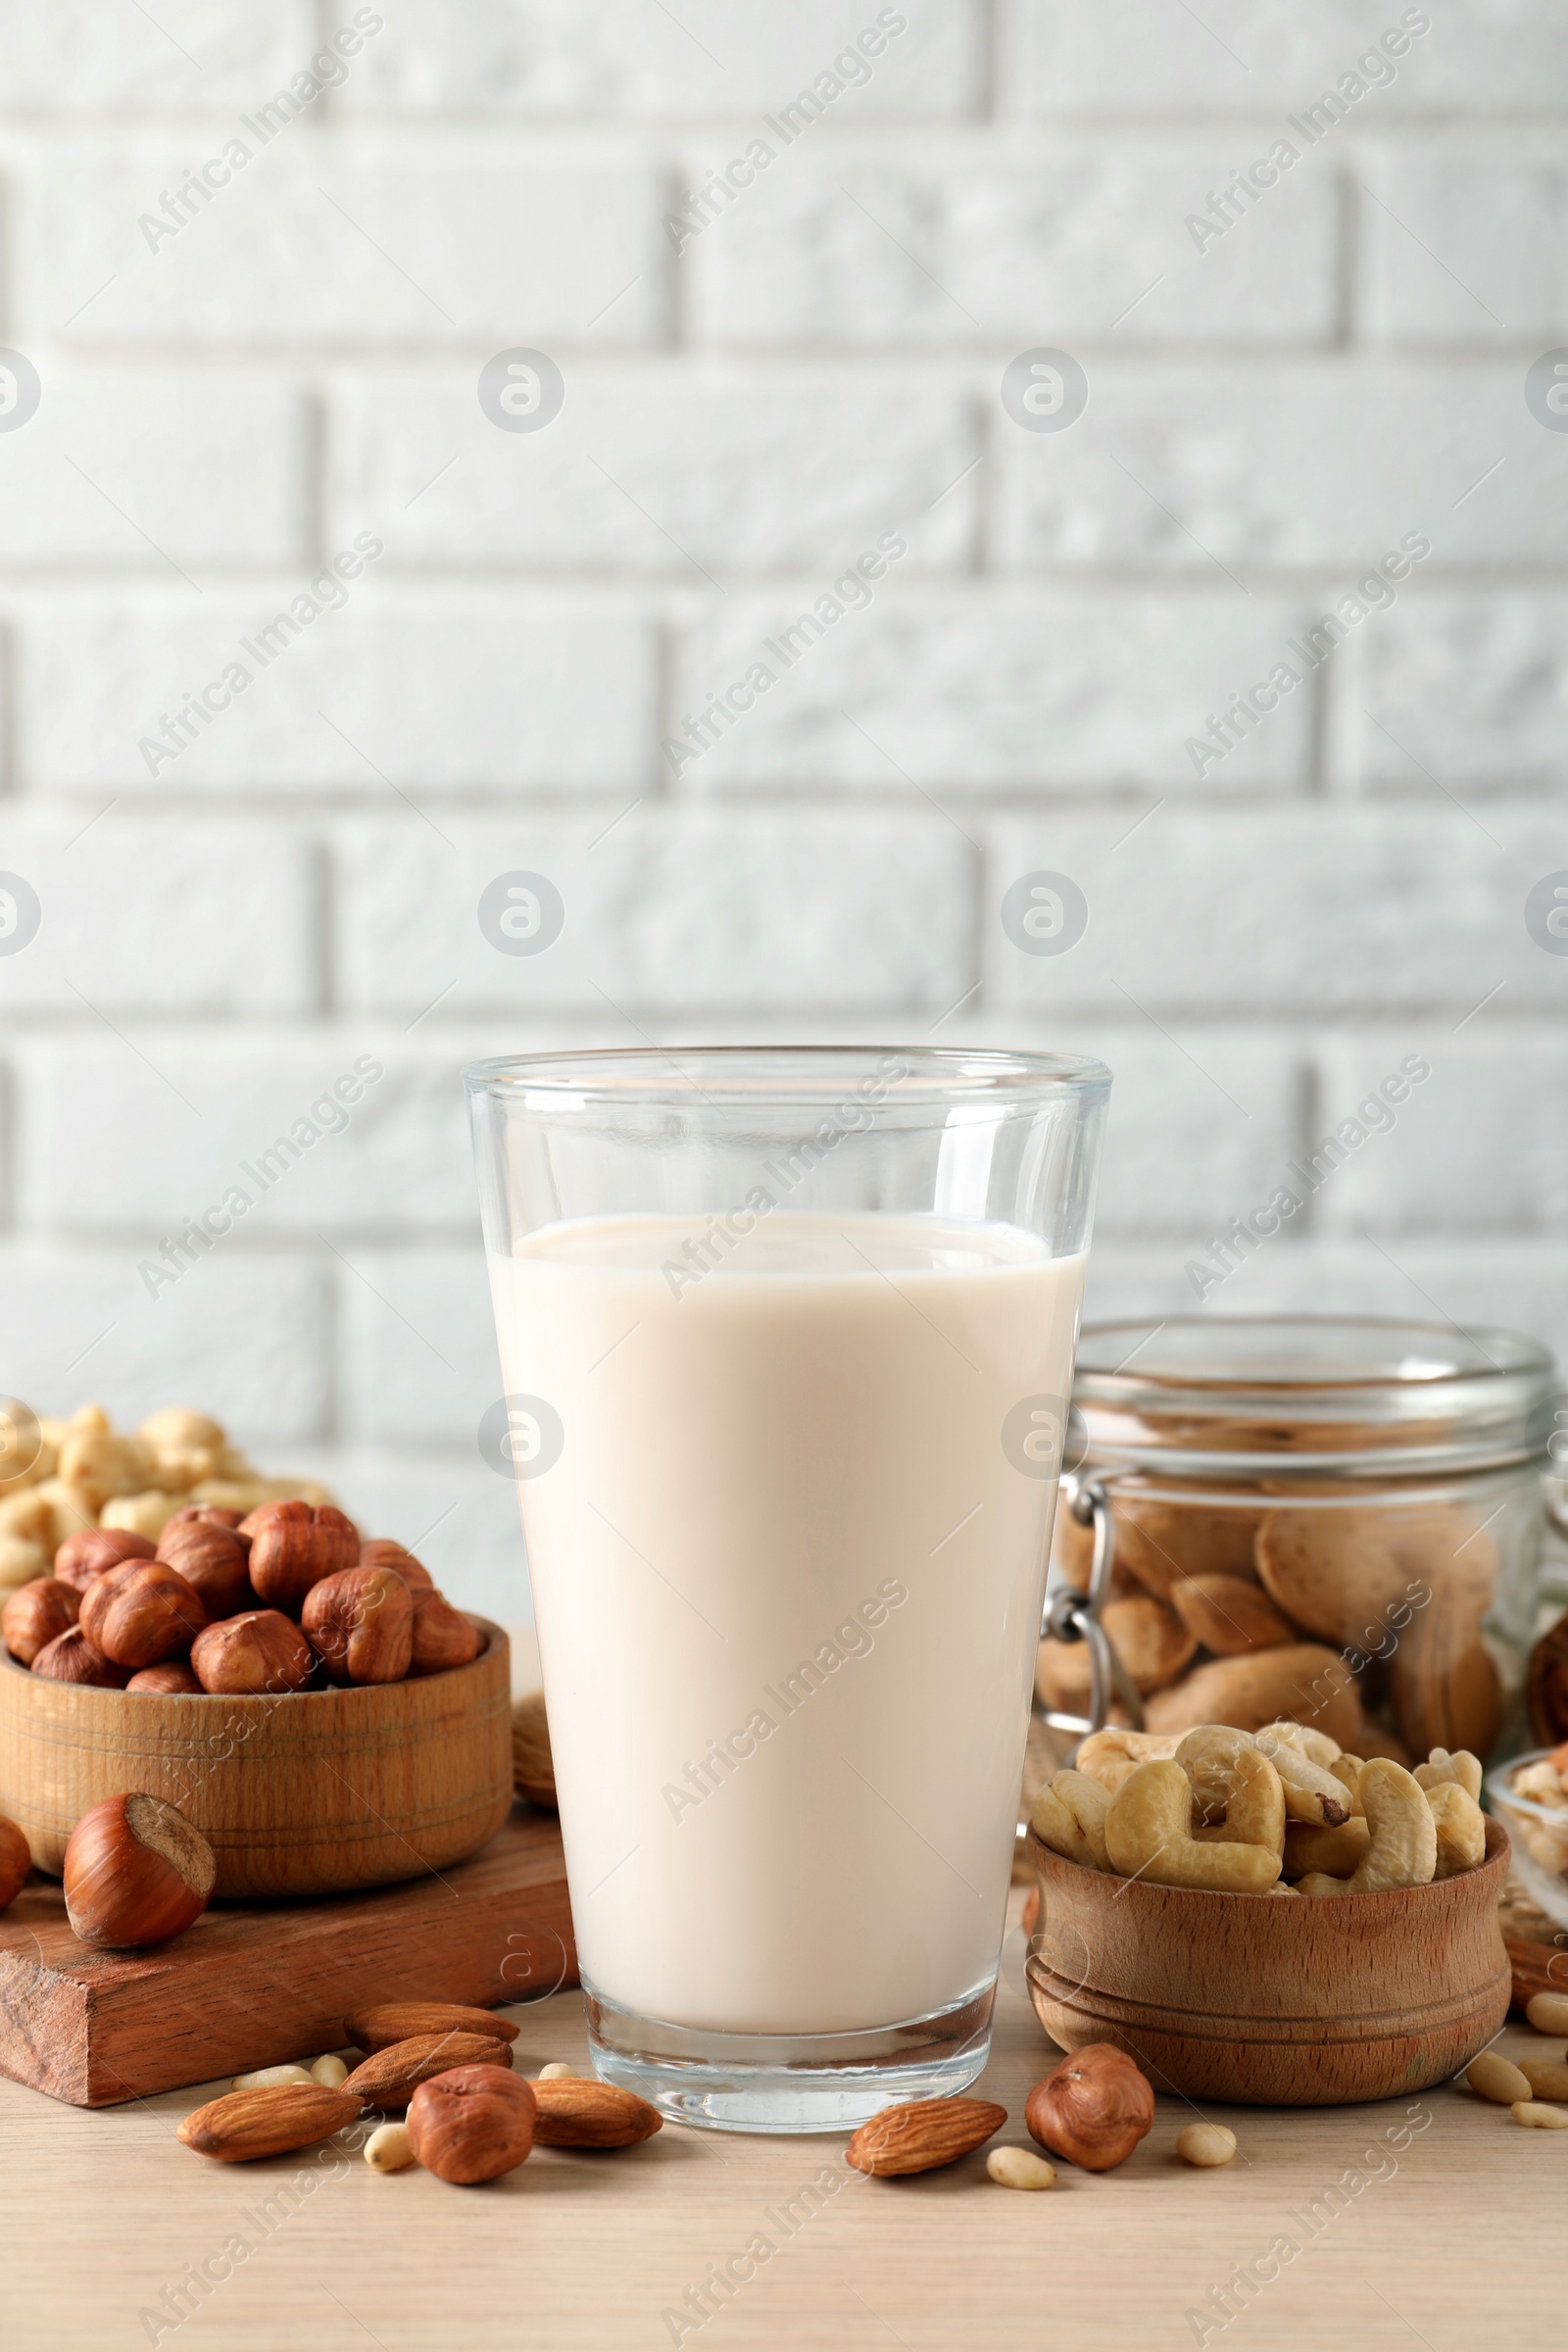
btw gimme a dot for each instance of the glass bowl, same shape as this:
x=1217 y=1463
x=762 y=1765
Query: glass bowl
x=1537 y=1824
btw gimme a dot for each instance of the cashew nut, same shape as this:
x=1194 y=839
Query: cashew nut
x=1149 y=1836
x=1316 y=1746
x=1461 y=1829
x=1087 y=1801
x=1056 y=1824
x=1237 y=1793
x=1208 y=1756
x=1113 y=1755
x=1311 y=1792
x=1463 y=1769
x=1405 y=1836
x=1332 y=1853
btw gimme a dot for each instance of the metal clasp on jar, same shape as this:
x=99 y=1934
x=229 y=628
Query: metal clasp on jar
x=1072 y=1616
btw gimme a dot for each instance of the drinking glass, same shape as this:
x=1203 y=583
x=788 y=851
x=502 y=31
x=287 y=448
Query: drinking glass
x=787 y=1339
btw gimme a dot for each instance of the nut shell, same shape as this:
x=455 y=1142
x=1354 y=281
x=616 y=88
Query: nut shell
x=443 y=1637
x=140 y=1613
x=93 y=1550
x=473 y=2123
x=294 y=1545
x=135 y=1873
x=1094 y=2109
x=15 y=1860
x=213 y=1562
x=71 y=1658
x=36 y=1614
x=359 y=1623
x=262 y=1651
x=389 y=2077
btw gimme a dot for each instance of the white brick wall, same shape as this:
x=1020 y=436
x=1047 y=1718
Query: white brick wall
x=750 y=404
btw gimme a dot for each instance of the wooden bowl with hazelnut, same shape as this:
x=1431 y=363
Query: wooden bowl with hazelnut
x=315 y=1709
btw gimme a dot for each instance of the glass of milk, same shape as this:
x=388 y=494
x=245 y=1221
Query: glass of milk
x=787 y=1341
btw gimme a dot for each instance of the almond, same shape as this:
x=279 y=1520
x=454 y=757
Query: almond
x=583 y=2114
x=917 y=2138
x=247 y=2123
x=390 y=2077
x=388 y=2022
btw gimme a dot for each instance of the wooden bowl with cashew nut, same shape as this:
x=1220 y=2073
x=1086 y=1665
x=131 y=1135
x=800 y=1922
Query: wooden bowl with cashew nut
x=1174 y=1935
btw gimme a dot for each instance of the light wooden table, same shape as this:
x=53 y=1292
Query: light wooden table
x=1456 y=2241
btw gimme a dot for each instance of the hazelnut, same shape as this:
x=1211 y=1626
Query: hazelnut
x=135 y=1871
x=263 y=1651
x=15 y=1860
x=295 y=1545
x=210 y=1514
x=442 y=1636
x=71 y=1658
x=1094 y=2109
x=382 y=1553
x=471 y=2123
x=213 y=1562
x=140 y=1613
x=36 y=1613
x=173 y=1680
x=360 y=1625
x=93 y=1550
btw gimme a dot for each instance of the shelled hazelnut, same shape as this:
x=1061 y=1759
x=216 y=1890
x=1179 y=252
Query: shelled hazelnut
x=141 y=1613
x=36 y=1614
x=295 y=1545
x=71 y=1658
x=173 y=1680
x=443 y=1637
x=359 y=1623
x=213 y=1561
x=93 y=1550
x=262 y=1651
x=381 y=1553
x=135 y=1873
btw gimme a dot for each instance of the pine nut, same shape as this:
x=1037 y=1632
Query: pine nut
x=1547 y=2077
x=330 y=2072
x=265 y=2076
x=1547 y=2012
x=387 y=2149
x=558 y=2070
x=1492 y=2077
x=1205 y=2144
x=1537 y=2116
x=1019 y=2168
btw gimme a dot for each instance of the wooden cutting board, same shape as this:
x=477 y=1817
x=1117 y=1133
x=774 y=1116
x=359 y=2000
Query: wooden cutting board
x=255 y=1983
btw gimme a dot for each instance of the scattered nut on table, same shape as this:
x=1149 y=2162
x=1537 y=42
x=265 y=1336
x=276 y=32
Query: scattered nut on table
x=1494 y=2077
x=1019 y=2168
x=1205 y=2144
x=263 y=2077
x=388 y=2149
x=1547 y=2012
x=1537 y=2116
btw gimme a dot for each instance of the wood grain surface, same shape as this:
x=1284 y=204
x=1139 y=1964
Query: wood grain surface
x=251 y=1985
x=1450 y=2240
x=300 y=1793
x=1277 y=1999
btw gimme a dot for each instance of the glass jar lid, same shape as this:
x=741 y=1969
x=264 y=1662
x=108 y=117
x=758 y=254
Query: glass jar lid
x=1238 y=1397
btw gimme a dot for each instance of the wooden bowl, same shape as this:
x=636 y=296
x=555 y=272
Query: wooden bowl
x=1273 y=2000
x=311 y=1793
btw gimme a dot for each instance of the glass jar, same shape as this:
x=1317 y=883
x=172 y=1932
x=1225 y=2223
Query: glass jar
x=1335 y=1520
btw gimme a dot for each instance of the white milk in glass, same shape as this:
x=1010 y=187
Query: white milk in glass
x=787 y=1580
